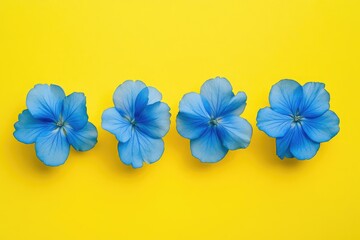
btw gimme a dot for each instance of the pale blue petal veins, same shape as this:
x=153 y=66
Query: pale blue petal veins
x=323 y=128
x=129 y=153
x=52 y=147
x=45 y=101
x=191 y=126
x=236 y=105
x=283 y=145
x=273 y=123
x=301 y=146
x=140 y=148
x=28 y=128
x=208 y=147
x=154 y=120
x=234 y=132
x=194 y=115
x=74 y=111
x=125 y=96
x=218 y=93
x=82 y=139
x=285 y=97
x=154 y=95
x=315 y=100
x=141 y=101
x=296 y=144
x=116 y=124
x=193 y=103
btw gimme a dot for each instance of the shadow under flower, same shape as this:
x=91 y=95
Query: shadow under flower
x=268 y=153
x=107 y=145
x=26 y=159
x=181 y=146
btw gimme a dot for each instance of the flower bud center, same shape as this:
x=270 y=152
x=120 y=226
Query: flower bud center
x=60 y=123
x=133 y=122
x=297 y=118
x=214 y=122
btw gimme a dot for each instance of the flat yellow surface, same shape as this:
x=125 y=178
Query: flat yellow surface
x=93 y=46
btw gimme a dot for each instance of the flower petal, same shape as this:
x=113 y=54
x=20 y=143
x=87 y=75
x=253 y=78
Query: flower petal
x=116 y=124
x=125 y=96
x=236 y=105
x=315 y=100
x=129 y=153
x=83 y=139
x=45 y=102
x=52 y=147
x=191 y=126
x=234 y=132
x=74 y=111
x=218 y=92
x=28 y=128
x=301 y=146
x=195 y=104
x=154 y=95
x=323 y=128
x=140 y=148
x=283 y=145
x=285 y=97
x=273 y=123
x=147 y=96
x=141 y=101
x=154 y=120
x=208 y=147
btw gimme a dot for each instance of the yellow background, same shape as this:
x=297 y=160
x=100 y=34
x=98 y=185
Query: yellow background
x=93 y=46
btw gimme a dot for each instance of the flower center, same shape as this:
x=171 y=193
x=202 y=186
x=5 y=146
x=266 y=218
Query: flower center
x=60 y=123
x=297 y=118
x=133 y=122
x=214 y=122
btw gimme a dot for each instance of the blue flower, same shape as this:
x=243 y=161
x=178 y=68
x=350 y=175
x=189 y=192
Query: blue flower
x=211 y=120
x=53 y=122
x=299 y=118
x=139 y=121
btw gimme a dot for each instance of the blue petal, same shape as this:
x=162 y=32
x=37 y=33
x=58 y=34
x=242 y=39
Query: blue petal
x=323 y=128
x=208 y=147
x=45 y=102
x=154 y=120
x=283 y=145
x=129 y=153
x=288 y=154
x=195 y=104
x=191 y=126
x=140 y=148
x=74 y=112
x=234 y=132
x=236 y=105
x=315 y=100
x=113 y=122
x=301 y=146
x=28 y=128
x=141 y=101
x=125 y=96
x=218 y=92
x=193 y=118
x=273 y=123
x=52 y=147
x=154 y=95
x=83 y=139
x=285 y=97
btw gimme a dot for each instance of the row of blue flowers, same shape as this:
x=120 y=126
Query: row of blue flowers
x=298 y=117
